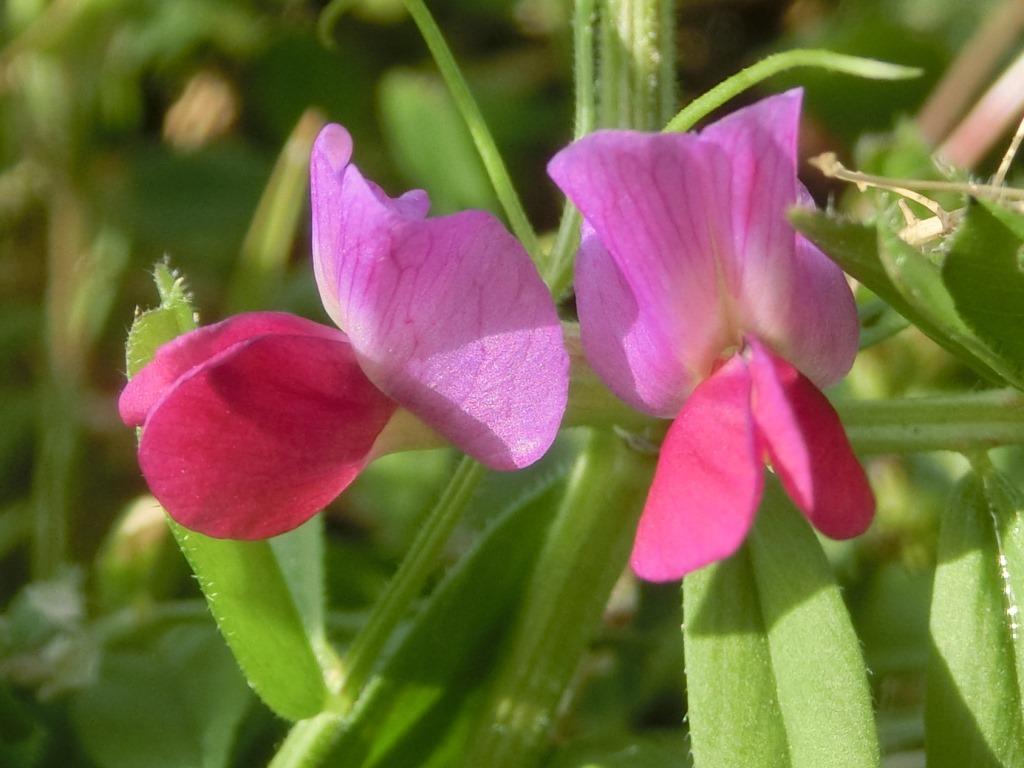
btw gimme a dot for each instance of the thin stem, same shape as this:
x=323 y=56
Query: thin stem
x=558 y=268
x=412 y=574
x=829 y=165
x=1011 y=153
x=474 y=119
x=780 y=62
x=310 y=740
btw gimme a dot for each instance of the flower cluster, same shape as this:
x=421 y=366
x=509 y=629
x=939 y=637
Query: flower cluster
x=697 y=302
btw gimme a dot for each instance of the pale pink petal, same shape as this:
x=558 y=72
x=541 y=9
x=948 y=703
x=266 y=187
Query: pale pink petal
x=455 y=324
x=255 y=440
x=786 y=291
x=448 y=316
x=184 y=353
x=660 y=205
x=708 y=482
x=808 y=447
x=621 y=340
x=352 y=218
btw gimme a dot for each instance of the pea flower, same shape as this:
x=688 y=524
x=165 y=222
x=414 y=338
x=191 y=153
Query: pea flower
x=252 y=425
x=699 y=303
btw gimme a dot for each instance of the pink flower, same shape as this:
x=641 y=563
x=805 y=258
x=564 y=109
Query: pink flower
x=254 y=424
x=698 y=302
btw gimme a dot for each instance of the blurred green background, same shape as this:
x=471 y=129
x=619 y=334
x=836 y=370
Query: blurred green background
x=134 y=130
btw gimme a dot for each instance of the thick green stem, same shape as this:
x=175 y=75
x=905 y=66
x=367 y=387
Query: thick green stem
x=637 y=88
x=474 y=119
x=963 y=423
x=558 y=268
x=582 y=558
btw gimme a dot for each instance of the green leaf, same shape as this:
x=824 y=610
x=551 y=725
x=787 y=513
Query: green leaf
x=985 y=275
x=920 y=296
x=266 y=596
x=174 y=705
x=973 y=711
x=774 y=670
x=425 y=685
x=251 y=598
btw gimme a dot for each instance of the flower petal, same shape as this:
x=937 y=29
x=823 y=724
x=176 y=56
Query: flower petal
x=660 y=205
x=184 y=353
x=455 y=324
x=625 y=345
x=808 y=447
x=448 y=316
x=786 y=291
x=352 y=218
x=708 y=482
x=255 y=440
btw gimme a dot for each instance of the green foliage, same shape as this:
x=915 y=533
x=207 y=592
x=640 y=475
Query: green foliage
x=180 y=712
x=432 y=678
x=976 y=675
x=774 y=670
x=985 y=276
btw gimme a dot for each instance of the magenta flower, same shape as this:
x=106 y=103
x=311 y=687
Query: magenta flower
x=254 y=424
x=698 y=302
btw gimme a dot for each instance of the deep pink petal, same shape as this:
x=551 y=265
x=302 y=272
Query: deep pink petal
x=786 y=291
x=255 y=440
x=708 y=482
x=808 y=447
x=456 y=325
x=621 y=339
x=184 y=353
x=660 y=205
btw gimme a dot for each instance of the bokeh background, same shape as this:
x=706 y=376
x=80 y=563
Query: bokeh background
x=133 y=131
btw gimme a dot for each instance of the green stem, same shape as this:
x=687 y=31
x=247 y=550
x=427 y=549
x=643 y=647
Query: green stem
x=964 y=423
x=420 y=562
x=482 y=137
x=780 y=62
x=557 y=271
x=583 y=556
x=309 y=740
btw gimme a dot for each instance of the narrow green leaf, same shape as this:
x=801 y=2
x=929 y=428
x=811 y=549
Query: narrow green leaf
x=734 y=712
x=856 y=248
x=985 y=275
x=253 y=605
x=973 y=711
x=774 y=671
